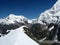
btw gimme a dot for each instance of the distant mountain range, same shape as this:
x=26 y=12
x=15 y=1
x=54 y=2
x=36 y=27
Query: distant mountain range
x=14 y=22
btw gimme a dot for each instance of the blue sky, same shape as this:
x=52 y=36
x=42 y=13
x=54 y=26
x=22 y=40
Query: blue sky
x=28 y=8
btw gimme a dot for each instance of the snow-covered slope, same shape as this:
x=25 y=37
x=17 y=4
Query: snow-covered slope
x=49 y=16
x=13 y=19
x=52 y=15
x=16 y=18
x=16 y=37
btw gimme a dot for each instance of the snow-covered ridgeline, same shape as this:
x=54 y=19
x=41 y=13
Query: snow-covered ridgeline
x=51 y=15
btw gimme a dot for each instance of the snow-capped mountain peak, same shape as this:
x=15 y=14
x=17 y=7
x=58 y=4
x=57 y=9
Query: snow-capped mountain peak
x=51 y=15
x=13 y=23
x=17 y=18
x=11 y=19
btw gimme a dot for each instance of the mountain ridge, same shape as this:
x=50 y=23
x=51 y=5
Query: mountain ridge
x=51 y=15
x=14 y=22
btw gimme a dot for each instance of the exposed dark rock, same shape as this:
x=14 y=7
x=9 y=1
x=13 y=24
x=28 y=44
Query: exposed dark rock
x=51 y=34
x=37 y=31
x=4 y=28
x=58 y=34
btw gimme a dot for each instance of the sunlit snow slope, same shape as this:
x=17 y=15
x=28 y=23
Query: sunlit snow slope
x=16 y=37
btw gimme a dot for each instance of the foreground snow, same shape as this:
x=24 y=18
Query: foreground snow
x=16 y=37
